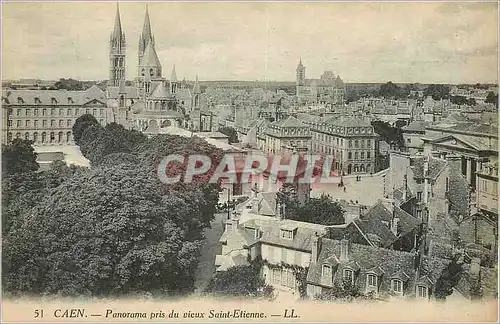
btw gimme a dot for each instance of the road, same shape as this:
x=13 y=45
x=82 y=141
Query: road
x=206 y=265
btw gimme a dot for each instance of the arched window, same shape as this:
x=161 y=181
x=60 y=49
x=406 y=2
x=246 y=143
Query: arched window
x=122 y=101
x=44 y=137
x=143 y=72
x=52 y=137
x=26 y=136
x=18 y=135
x=9 y=137
x=362 y=168
x=35 y=137
x=68 y=137
x=59 y=137
x=151 y=72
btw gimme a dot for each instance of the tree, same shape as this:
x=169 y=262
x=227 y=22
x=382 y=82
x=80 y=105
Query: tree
x=449 y=279
x=390 y=90
x=240 y=281
x=288 y=197
x=437 y=91
x=231 y=133
x=492 y=98
x=345 y=291
x=392 y=135
x=82 y=123
x=103 y=232
x=322 y=210
x=18 y=157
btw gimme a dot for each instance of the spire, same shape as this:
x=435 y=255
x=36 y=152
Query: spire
x=196 y=88
x=147 y=35
x=118 y=34
x=173 y=77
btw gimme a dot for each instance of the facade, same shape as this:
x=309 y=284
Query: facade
x=327 y=89
x=351 y=140
x=47 y=116
x=288 y=134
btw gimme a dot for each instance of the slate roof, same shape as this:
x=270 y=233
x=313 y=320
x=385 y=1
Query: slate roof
x=489 y=282
x=160 y=92
x=78 y=98
x=415 y=126
x=435 y=167
x=389 y=263
x=289 y=122
x=150 y=58
x=304 y=232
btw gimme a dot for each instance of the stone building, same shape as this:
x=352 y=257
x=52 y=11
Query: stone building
x=288 y=134
x=350 y=140
x=326 y=89
x=47 y=116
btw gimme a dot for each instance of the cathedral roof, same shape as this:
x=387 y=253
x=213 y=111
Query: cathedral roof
x=150 y=58
x=130 y=92
x=160 y=92
x=118 y=35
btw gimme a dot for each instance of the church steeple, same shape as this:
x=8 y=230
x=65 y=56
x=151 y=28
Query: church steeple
x=146 y=35
x=117 y=47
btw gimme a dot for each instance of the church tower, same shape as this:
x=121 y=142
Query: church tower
x=146 y=36
x=117 y=53
x=301 y=74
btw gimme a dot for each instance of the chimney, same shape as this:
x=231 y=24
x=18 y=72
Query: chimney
x=426 y=181
x=315 y=247
x=394 y=225
x=236 y=222
x=255 y=205
x=344 y=250
x=405 y=188
x=278 y=210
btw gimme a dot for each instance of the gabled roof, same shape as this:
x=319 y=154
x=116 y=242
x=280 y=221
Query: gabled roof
x=130 y=92
x=302 y=238
x=415 y=126
x=61 y=97
x=160 y=92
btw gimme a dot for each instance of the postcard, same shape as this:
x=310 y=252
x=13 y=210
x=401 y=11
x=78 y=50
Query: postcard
x=264 y=161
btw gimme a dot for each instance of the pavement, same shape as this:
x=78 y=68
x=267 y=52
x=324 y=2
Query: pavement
x=367 y=191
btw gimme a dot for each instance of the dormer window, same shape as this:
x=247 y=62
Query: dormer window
x=20 y=100
x=287 y=234
x=229 y=226
x=371 y=280
x=422 y=292
x=326 y=271
x=53 y=100
x=348 y=275
x=37 y=100
x=70 y=100
x=397 y=286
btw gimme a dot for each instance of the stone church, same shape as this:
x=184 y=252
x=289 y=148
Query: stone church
x=151 y=101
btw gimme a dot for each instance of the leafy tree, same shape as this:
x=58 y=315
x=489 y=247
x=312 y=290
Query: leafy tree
x=392 y=135
x=322 y=210
x=492 y=98
x=344 y=291
x=458 y=100
x=106 y=232
x=390 y=90
x=18 y=157
x=449 y=279
x=437 y=91
x=240 y=281
x=287 y=196
x=231 y=133
x=82 y=123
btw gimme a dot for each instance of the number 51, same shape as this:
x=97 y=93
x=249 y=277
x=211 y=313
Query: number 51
x=38 y=313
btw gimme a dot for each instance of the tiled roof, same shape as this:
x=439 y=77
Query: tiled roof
x=416 y=126
x=390 y=263
x=289 y=122
x=271 y=234
x=52 y=97
x=435 y=167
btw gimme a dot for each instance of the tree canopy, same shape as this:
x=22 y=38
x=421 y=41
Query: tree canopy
x=231 y=133
x=437 y=91
x=449 y=279
x=18 y=157
x=492 y=98
x=81 y=124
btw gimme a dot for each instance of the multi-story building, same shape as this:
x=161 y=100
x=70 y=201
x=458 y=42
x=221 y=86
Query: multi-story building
x=288 y=134
x=350 y=140
x=327 y=89
x=47 y=116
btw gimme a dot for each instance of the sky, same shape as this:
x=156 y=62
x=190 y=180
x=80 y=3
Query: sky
x=438 y=42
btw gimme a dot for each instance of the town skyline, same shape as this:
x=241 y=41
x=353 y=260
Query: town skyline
x=263 y=45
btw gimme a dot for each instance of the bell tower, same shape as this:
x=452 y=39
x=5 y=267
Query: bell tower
x=117 y=47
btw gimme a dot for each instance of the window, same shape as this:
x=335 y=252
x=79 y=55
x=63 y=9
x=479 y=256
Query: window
x=60 y=112
x=349 y=275
x=422 y=292
x=397 y=286
x=368 y=154
x=362 y=155
x=36 y=112
x=27 y=136
x=419 y=196
x=326 y=271
x=87 y=111
x=371 y=280
x=102 y=112
x=52 y=112
x=362 y=143
x=485 y=185
x=68 y=123
x=44 y=112
x=10 y=123
x=355 y=155
x=286 y=234
x=350 y=143
x=27 y=123
x=44 y=123
x=68 y=113
x=77 y=111
x=18 y=123
x=52 y=123
x=229 y=227
x=447 y=185
x=369 y=143
x=349 y=155
x=409 y=140
x=356 y=143
x=276 y=276
x=61 y=123
x=28 y=112
x=94 y=112
x=35 y=123
x=52 y=137
x=35 y=137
